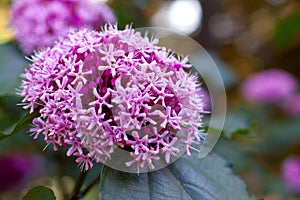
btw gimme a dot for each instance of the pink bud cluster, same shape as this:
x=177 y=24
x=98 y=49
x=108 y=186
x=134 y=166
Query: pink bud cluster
x=98 y=91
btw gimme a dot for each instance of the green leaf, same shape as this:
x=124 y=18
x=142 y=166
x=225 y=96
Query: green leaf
x=287 y=30
x=236 y=124
x=22 y=125
x=189 y=178
x=3 y=135
x=25 y=122
x=10 y=113
x=38 y=193
x=12 y=65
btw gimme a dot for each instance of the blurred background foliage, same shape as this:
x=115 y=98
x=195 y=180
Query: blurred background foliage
x=244 y=37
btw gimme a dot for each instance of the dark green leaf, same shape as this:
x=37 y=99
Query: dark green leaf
x=188 y=178
x=12 y=65
x=237 y=125
x=2 y=135
x=22 y=125
x=10 y=113
x=25 y=122
x=287 y=30
x=39 y=193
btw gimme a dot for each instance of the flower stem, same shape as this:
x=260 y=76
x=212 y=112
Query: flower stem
x=76 y=195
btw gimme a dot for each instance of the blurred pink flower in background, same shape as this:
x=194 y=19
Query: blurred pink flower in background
x=17 y=169
x=292 y=105
x=38 y=23
x=291 y=173
x=271 y=86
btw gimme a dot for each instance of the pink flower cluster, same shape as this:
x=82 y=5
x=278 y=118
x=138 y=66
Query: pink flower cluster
x=98 y=91
x=273 y=86
x=291 y=173
x=38 y=23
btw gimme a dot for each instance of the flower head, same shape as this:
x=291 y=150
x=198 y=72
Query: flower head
x=98 y=91
x=291 y=173
x=271 y=86
x=38 y=23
